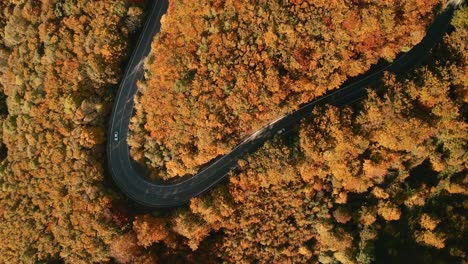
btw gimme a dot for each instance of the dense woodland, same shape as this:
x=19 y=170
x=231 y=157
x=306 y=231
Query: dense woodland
x=60 y=63
x=385 y=179
x=220 y=70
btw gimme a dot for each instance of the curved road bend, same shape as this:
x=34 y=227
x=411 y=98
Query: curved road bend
x=138 y=188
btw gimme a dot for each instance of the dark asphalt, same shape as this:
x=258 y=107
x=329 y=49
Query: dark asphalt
x=160 y=195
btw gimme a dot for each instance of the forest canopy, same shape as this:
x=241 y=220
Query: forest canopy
x=60 y=63
x=384 y=179
x=220 y=70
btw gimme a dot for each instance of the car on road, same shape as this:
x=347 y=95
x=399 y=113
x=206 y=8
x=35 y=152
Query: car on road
x=281 y=131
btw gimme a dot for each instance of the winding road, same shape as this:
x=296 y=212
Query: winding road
x=161 y=195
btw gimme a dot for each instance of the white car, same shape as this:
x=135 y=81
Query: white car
x=116 y=136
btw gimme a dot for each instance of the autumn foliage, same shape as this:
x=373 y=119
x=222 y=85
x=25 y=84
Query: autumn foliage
x=59 y=67
x=220 y=70
x=382 y=180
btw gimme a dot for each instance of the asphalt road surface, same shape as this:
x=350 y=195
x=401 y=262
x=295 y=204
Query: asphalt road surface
x=161 y=195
